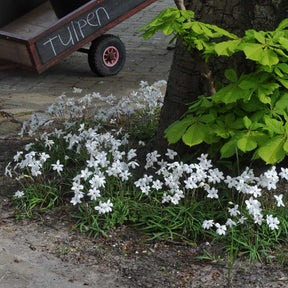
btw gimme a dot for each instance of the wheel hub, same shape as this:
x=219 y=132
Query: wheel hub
x=110 y=56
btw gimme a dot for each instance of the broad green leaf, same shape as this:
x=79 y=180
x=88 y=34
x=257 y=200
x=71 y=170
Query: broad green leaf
x=265 y=90
x=284 y=42
x=231 y=93
x=260 y=53
x=177 y=129
x=285 y=146
x=274 y=126
x=194 y=135
x=206 y=103
x=188 y=14
x=282 y=103
x=231 y=75
x=166 y=29
x=284 y=82
x=260 y=36
x=207 y=118
x=253 y=51
x=162 y=17
x=272 y=151
x=278 y=72
x=247 y=122
x=269 y=57
x=228 y=149
x=283 y=66
x=226 y=48
x=247 y=142
x=221 y=32
x=283 y=25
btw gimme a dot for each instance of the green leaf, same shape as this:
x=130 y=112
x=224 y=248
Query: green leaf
x=194 y=135
x=285 y=146
x=282 y=103
x=269 y=57
x=283 y=25
x=266 y=89
x=247 y=122
x=177 y=129
x=253 y=51
x=283 y=82
x=260 y=53
x=247 y=142
x=188 y=14
x=228 y=149
x=227 y=48
x=284 y=42
x=260 y=36
x=274 y=126
x=283 y=66
x=166 y=29
x=272 y=151
x=230 y=94
x=231 y=75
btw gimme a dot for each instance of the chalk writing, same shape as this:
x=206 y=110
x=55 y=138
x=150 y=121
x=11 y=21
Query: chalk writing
x=76 y=30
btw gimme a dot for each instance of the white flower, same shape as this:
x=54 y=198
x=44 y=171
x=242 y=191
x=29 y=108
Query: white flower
x=94 y=193
x=279 y=200
x=77 y=187
x=190 y=183
x=97 y=181
x=77 y=90
x=17 y=156
x=221 y=229
x=104 y=207
x=255 y=191
x=284 y=173
x=207 y=224
x=131 y=154
x=76 y=199
x=49 y=143
x=242 y=219
x=258 y=219
x=19 y=194
x=85 y=174
x=234 y=211
x=166 y=198
x=231 y=182
x=230 y=222
x=125 y=175
x=272 y=222
x=44 y=157
x=213 y=193
x=57 y=167
x=145 y=189
x=171 y=154
x=157 y=184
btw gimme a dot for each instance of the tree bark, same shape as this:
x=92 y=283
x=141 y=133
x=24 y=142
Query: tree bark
x=186 y=81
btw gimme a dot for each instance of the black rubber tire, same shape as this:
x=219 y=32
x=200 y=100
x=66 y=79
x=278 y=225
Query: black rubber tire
x=96 y=51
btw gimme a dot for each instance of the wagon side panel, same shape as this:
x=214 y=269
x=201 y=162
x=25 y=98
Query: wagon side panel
x=16 y=51
x=81 y=27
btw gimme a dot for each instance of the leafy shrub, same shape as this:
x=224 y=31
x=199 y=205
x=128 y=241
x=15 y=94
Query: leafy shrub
x=249 y=114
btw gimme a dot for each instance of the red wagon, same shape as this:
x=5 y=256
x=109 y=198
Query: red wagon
x=38 y=40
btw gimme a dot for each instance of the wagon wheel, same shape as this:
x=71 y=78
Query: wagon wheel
x=107 y=55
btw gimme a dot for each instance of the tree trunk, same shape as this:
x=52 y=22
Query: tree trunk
x=186 y=81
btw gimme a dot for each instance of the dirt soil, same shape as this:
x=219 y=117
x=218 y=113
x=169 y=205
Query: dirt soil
x=46 y=253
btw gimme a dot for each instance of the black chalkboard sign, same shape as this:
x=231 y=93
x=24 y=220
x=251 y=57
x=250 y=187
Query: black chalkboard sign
x=81 y=27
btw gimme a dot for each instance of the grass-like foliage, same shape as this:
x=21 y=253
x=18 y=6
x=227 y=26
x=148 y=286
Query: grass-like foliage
x=248 y=113
x=91 y=164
